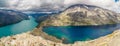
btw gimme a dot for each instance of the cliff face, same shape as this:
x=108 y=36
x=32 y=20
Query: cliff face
x=10 y=17
x=81 y=14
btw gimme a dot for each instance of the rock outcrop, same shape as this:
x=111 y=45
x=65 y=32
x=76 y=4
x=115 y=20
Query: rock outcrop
x=10 y=17
x=81 y=14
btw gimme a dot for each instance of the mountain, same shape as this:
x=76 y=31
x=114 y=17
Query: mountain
x=41 y=16
x=82 y=14
x=10 y=17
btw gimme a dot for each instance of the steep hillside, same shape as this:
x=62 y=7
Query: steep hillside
x=81 y=14
x=10 y=17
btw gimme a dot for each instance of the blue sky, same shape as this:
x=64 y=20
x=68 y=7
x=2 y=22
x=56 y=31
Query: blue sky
x=116 y=0
x=45 y=5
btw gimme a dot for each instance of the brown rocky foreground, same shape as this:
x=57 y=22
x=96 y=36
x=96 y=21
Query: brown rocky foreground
x=27 y=39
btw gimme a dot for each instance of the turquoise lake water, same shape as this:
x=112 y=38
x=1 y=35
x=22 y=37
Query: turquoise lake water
x=23 y=26
x=70 y=34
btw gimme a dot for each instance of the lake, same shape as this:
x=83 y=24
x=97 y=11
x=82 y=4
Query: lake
x=23 y=26
x=71 y=34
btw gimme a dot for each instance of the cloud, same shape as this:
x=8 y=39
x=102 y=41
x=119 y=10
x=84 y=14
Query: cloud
x=47 y=5
x=24 y=4
x=2 y=3
x=44 y=5
x=108 y=4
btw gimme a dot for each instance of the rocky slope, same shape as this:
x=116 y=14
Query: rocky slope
x=81 y=14
x=10 y=17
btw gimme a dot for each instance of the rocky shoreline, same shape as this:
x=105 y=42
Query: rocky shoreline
x=39 y=32
x=28 y=39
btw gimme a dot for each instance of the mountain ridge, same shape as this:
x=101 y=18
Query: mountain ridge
x=8 y=17
x=82 y=14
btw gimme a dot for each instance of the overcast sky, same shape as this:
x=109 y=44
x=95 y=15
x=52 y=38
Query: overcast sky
x=45 y=5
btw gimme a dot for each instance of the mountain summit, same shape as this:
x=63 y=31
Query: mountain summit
x=82 y=14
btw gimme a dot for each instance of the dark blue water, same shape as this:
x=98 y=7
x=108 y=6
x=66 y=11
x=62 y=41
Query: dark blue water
x=80 y=33
x=23 y=26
